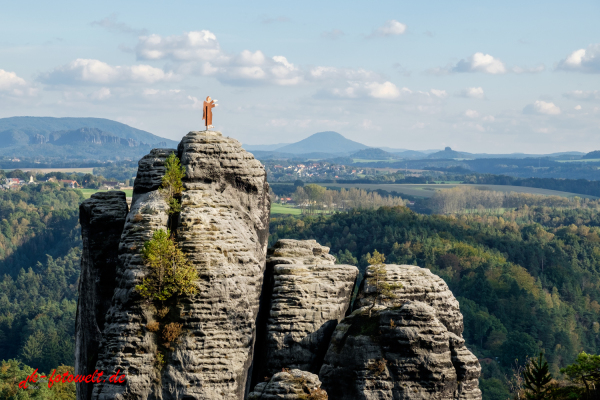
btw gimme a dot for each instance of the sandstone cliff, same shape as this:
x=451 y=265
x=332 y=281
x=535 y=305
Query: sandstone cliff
x=304 y=298
x=223 y=228
x=408 y=347
x=264 y=322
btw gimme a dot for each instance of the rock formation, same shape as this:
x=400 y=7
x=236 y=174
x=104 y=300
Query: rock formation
x=411 y=346
x=223 y=229
x=257 y=313
x=127 y=345
x=102 y=218
x=305 y=297
x=289 y=385
x=151 y=169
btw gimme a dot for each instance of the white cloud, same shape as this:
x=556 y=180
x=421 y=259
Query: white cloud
x=582 y=60
x=12 y=84
x=471 y=114
x=586 y=95
x=480 y=62
x=95 y=72
x=191 y=46
x=10 y=80
x=386 y=90
x=578 y=107
x=542 y=107
x=472 y=93
x=102 y=94
x=390 y=28
x=323 y=73
x=441 y=94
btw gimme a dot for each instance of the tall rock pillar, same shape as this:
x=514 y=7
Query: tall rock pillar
x=223 y=230
x=102 y=218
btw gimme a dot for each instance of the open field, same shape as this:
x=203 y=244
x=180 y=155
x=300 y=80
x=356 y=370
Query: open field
x=47 y=170
x=281 y=209
x=424 y=190
x=87 y=193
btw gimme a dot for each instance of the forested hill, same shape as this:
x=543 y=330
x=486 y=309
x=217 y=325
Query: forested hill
x=58 y=139
x=40 y=247
x=522 y=287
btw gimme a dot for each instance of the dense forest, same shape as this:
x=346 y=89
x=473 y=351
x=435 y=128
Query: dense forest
x=527 y=279
x=523 y=286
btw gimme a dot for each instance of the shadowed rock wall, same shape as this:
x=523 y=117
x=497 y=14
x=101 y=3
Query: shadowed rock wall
x=102 y=218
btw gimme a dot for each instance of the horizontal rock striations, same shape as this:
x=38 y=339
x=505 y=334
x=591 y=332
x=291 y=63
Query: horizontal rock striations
x=223 y=228
x=290 y=251
x=289 y=385
x=401 y=353
x=127 y=345
x=418 y=284
x=411 y=346
x=304 y=298
x=279 y=314
x=151 y=169
x=102 y=218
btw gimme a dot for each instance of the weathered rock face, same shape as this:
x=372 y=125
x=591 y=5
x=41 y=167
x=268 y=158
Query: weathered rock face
x=290 y=251
x=304 y=297
x=253 y=315
x=102 y=218
x=401 y=353
x=127 y=345
x=223 y=229
x=151 y=169
x=420 y=355
x=418 y=284
x=292 y=385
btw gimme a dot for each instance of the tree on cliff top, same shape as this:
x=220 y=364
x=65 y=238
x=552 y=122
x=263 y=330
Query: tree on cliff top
x=172 y=185
x=170 y=271
x=378 y=278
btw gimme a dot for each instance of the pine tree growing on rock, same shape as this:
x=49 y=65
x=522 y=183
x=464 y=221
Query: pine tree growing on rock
x=172 y=184
x=378 y=279
x=170 y=272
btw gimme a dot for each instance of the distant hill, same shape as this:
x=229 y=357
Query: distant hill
x=75 y=138
x=330 y=142
x=448 y=153
x=263 y=147
x=374 y=154
x=592 y=155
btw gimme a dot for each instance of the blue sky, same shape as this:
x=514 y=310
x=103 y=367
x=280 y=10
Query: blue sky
x=475 y=75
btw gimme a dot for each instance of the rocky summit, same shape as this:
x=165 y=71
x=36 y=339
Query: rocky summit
x=264 y=323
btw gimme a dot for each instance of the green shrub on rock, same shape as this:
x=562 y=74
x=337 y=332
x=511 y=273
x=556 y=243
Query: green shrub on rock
x=170 y=272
